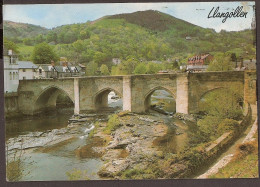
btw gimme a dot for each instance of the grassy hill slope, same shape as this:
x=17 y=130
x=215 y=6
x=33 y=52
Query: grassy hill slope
x=22 y=30
x=153 y=20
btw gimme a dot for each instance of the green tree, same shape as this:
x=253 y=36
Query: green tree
x=104 y=70
x=114 y=70
x=127 y=67
x=153 y=68
x=28 y=41
x=52 y=37
x=43 y=54
x=208 y=127
x=140 y=69
x=84 y=34
x=233 y=57
x=175 y=65
x=39 y=39
x=10 y=45
x=223 y=103
x=91 y=68
x=221 y=62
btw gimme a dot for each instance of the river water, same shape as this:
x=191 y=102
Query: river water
x=53 y=165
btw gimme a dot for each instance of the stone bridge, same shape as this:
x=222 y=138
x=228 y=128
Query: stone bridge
x=91 y=93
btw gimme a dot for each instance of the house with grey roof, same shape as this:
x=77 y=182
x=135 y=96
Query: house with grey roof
x=52 y=71
x=27 y=70
x=45 y=71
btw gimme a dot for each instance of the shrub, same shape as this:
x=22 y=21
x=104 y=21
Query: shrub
x=245 y=149
x=227 y=125
x=14 y=170
x=136 y=173
x=93 y=131
x=15 y=165
x=77 y=174
x=112 y=124
x=208 y=127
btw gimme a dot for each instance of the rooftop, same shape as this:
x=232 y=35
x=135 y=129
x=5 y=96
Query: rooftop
x=26 y=65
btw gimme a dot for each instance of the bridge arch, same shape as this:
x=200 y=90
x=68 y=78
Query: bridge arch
x=231 y=93
x=211 y=90
x=47 y=98
x=218 y=88
x=147 y=97
x=101 y=97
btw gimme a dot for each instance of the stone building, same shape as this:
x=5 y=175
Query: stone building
x=203 y=59
x=27 y=70
x=199 y=62
x=11 y=73
x=116 y=61
x=53 y=71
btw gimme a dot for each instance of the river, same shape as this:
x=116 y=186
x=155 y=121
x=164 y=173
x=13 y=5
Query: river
x=53 y=164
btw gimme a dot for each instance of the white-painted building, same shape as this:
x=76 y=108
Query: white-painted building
x=116 y=61
x=11 y=73
x=45 y=71
x=26 y=70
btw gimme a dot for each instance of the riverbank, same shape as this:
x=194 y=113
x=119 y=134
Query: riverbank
x=131 y=144
x=229 y=163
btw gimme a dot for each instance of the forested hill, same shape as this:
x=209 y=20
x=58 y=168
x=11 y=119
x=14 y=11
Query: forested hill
x=154 y=20
x=22 y=30
x=146 y=35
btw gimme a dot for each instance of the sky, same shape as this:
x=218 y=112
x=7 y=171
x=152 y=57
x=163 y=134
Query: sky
x=53 y=15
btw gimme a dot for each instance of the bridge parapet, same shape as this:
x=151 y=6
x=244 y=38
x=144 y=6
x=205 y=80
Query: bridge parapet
x=90 y=93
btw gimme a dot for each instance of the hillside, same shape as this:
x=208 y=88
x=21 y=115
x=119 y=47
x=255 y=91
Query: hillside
x=154 y=20
x=22 y=30
x=145 y=35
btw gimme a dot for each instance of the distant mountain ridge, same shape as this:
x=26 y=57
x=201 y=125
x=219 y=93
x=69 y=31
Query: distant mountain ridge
x=152 y=19
x=22 y=30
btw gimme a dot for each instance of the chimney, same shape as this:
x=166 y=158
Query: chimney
x=10 y=52
x=65 y=63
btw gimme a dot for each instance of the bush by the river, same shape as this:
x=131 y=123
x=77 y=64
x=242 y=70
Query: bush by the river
x=112 y=124
x=77 y=174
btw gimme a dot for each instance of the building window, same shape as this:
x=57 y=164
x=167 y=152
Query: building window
x=24 y=78
x=13 y=75
x=14 y=60
x=17 y=76
x=10 y=75
x=24 y=70
x=40 y=71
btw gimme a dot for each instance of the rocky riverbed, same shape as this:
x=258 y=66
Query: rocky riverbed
x=135 y=143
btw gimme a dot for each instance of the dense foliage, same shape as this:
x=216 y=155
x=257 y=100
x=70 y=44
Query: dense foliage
x=10 y=45
x=16 y=32
x=222 y=109
x=43 y=54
